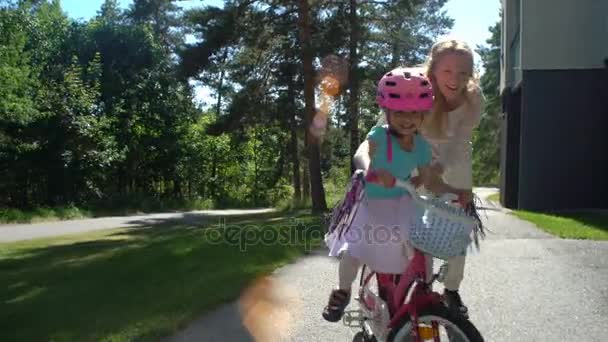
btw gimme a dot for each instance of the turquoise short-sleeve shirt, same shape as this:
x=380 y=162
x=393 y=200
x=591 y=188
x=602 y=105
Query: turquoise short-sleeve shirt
x=402 y=164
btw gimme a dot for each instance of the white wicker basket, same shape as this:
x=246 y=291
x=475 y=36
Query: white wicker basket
x=439 y=228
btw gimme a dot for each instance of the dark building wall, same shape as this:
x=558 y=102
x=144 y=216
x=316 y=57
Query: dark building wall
x=509 y=152
x=563 y=143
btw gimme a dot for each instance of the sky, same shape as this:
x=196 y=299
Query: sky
x=86 y=9
x=472 y=18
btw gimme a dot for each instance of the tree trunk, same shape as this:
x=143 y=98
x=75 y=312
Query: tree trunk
x=295 y=157
x=177 y=188
x=280 y=170
x=255 y=168
x=293 y=145
x=218 y=108
x=353 y=99
x=214 y=185
x=305 y=183
x=314 y=161
x=395 y=55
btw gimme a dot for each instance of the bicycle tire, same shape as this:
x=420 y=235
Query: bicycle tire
x=401 y=333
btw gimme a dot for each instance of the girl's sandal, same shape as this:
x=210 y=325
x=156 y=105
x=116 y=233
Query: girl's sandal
x=338 y=300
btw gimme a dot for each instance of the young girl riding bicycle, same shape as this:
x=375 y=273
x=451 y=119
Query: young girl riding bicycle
x=377 y=233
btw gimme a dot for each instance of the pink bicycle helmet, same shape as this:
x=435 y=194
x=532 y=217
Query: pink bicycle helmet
x=405 y=89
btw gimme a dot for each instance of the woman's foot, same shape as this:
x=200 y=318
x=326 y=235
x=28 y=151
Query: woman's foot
x=454 y=302
x=338 y=300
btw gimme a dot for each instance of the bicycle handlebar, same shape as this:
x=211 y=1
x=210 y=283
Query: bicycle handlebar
x=372 y=177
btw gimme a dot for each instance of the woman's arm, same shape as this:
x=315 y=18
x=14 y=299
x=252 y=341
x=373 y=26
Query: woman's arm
x=432 y=181
x=435 y=184
x=436 y=165
x=456 y=153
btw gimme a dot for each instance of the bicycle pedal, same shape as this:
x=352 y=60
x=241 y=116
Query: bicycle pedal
x=353 y=318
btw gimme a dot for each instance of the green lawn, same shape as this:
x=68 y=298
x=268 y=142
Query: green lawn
x=119 y=207
x=13 y=215
x=138 y=284
x=589 y=226
x=494 y=197
x=582 y=225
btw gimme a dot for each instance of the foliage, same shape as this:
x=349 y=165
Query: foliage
x=101 y=113
x=486 y=140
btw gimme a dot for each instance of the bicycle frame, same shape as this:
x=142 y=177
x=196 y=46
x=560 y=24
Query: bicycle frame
x=406 y=297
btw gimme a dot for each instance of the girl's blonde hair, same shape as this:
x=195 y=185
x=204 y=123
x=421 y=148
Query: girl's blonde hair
x=434 y=125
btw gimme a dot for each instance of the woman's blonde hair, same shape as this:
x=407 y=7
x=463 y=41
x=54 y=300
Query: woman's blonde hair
x=434 y=125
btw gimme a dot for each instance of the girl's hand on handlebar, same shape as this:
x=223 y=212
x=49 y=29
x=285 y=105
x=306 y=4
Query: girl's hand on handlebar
x=382 y=177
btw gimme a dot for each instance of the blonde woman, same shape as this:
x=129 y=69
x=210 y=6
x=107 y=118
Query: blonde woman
x=449 y=129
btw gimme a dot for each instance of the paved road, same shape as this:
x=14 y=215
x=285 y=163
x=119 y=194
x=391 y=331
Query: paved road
x=524 y=285
x=17 y=232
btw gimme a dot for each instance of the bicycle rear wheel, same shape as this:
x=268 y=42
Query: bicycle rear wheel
x=452 y=327
x=372 y=303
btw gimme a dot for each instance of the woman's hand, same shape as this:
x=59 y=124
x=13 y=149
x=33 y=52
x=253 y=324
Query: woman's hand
x=437 y=169
x=416 y=181
x=432 y=173
x=464 y=196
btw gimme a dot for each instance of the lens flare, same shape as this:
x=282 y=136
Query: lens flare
x=332 y=78
x=330 y=86
x=268 y=309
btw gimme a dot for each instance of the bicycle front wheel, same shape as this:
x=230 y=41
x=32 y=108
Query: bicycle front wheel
x=452 y=327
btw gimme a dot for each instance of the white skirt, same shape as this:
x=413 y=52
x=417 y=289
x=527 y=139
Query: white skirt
x=377 y=235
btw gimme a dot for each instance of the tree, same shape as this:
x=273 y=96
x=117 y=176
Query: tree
x=353 y=99
x=162 y=16
x=388 y=34
x=314 y=156
x=101 y=111
x=17 y=108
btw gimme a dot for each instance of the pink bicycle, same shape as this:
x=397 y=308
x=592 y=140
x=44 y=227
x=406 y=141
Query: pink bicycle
x=404 y=307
